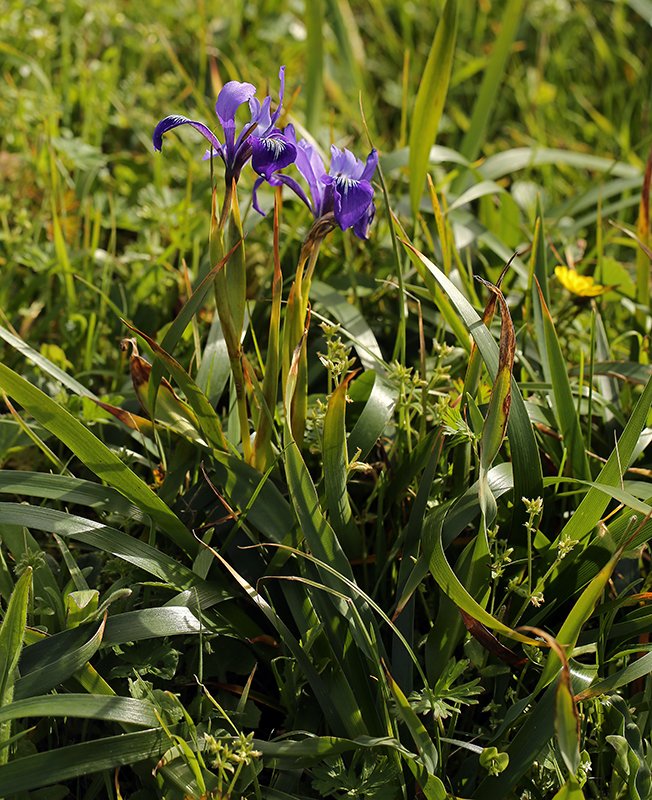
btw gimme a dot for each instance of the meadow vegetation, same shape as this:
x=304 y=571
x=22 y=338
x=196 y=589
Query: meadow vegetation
x=288 y=512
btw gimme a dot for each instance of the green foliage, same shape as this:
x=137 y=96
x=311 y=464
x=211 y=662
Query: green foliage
x=300 y=567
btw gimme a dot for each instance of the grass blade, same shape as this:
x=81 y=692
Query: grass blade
x=95 y=455
x=431 y=97
x=12 y=633
x=565 y=408
x=336 y=472
x=486 y=100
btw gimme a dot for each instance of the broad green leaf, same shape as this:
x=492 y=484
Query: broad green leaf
x=64 y=763
x=314 y=21
x=644 y=235
x=263 y=454
x=113 y=541
x=215 y=368
x=150 y=623
x=570 y=791
x=495 y=424
x=375 y=415
x=45 y=364
x=84 y=706
x=624 y=370
x=636 y=669
x=564 y=405
x=48 y=663
x=95 y=455
x=476 y=191
x=312 y=750
x=431 y=97
x=258 y=500
x=80 y=606
x=510 y=161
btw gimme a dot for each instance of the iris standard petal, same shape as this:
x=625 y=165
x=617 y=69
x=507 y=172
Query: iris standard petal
x=174 y=121
x=370 y=167
x=351 y=200
x=232 y=96
x=344 y=164
x=271 y=154
x=277 y=113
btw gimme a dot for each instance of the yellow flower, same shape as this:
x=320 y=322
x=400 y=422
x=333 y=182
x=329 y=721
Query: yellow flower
x=582 y=285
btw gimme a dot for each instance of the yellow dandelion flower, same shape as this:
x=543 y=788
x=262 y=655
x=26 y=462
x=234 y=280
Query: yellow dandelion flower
x=582 y=285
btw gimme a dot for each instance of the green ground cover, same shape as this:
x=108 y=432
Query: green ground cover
x=384 y=532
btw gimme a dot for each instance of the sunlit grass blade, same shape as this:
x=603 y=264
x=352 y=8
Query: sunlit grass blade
x=95 y=454
x=336 y=472
x=570 y=791
x=528 y=480
x=95 y=534
x=495 y=425
x=565 y=408
x=375 y=415
x=45 y=364
x=485 y=103
x=431 y=97
x=12 y=632
x=262 y=452
x=587 y=515
x=314 y=91
x=450 y=584
x=643 y=230
x=419 y=734
x=113 y=709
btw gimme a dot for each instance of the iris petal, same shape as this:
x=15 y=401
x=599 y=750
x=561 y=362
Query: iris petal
x=344 y=164
x=310 y=165
x=351 y=200
x=370 y=167
x=277 y=113
x=174 y=121
x=361 y=227
x=271 y=153
x=232 y=96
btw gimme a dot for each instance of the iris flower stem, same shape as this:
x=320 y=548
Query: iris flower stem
x=295 y=322
x=231 y=337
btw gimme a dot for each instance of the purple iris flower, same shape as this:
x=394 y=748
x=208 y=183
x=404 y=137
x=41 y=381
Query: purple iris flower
x=259 y=140
x=345 y=190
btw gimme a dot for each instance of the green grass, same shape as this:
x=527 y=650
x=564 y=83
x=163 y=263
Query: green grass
x=359 y=600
